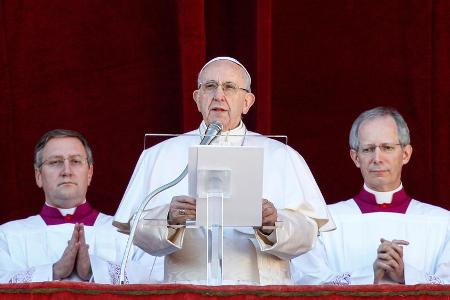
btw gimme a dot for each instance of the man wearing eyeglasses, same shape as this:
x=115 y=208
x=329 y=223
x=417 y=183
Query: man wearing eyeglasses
x=383 y=235
x=68 y=239
x=255 y=257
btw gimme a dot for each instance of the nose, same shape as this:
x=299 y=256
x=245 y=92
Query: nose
x=377 y=154
x=66 y=170
x=219 y=93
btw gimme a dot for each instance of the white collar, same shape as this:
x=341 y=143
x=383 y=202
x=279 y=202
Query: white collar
x=383 y=197
x=233 y=137
x=65 y=211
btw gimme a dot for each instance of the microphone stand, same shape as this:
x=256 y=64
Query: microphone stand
x=211 y=132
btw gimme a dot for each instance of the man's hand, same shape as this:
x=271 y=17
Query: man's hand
x=181 y=208
x=269 y=216
x=64 y=266
x=389 y=262
x=83 y=262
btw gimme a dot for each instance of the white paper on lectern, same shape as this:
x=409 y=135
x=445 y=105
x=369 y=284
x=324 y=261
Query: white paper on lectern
x=246 y=165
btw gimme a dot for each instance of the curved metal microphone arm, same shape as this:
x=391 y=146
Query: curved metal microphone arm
x=211 y=132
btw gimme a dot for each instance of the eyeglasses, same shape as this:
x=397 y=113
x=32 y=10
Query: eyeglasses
x=385 y=148
x=57 y=162
x=229 y=88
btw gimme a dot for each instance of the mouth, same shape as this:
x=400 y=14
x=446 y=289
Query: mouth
x=67 y=183
x=377 y=172
x=218 y=109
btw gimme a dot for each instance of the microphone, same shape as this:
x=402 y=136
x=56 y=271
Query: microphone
x=211 y=133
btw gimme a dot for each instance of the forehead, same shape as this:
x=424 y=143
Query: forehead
x=63 y=146
x=378 y=130
x=223 y=70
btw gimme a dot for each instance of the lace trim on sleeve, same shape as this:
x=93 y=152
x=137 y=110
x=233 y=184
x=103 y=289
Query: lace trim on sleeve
x=114 y=273
x=23 y=276
x=342 y=279
x=433 y=279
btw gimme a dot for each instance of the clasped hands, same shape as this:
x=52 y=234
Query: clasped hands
x=75 y=257
x=388 y=266
x=182 y=208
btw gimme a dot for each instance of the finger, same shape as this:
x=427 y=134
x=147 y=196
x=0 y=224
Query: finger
x=397 y=248
x=70 y=253
x=383 y=256
x=387 y=246
x=379 y=264
x=74 y=237
x=183 y=199
x=392 y=257
x=393 y=264
x=268 y=207
x=400 y=242
x=184 y=206
x=81 y=237
x=186 y=212
x=393 y=251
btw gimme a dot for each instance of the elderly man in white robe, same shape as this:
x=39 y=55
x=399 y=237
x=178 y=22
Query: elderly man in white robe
x=383 y=235
x=68 y=239
x=290 y=194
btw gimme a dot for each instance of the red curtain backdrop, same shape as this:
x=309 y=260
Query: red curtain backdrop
x=115 y=70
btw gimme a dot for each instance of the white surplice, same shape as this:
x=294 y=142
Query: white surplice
x=29 y=248
x=249 y=258
x=346 y=255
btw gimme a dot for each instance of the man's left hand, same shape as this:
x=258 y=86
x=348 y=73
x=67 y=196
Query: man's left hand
x=389 y=263
x=83 y=266
x=269 y=216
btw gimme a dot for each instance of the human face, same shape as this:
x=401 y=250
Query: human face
x=381 y=170
x=64 y=186
x=216 y=106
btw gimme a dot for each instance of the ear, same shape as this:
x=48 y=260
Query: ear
x=196 y=97
x=407 y=152
x=248 y=102
x=355 y=157
x=38 y=177
x=90 y=173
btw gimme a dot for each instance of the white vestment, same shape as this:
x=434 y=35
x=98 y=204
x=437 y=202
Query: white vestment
x=346 y=255
x=249 y=257
x=29 y=248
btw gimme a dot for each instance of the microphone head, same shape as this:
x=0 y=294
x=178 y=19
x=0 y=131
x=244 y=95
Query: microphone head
x=212 y=131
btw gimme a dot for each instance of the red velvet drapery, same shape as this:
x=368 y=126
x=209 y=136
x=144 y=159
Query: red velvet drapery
x=115 y=70
x=85 y=291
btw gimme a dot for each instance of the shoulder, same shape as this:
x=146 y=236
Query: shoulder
x=343 y=207
x=172 y=143
x=271 y=145
x=22 y=224
x=422 y=208
x=103 y=219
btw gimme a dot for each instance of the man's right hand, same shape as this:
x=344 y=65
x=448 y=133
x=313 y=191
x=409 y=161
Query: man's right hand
x=64 y=266
x=181 y=208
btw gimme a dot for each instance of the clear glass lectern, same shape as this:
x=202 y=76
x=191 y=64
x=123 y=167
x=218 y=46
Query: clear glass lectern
x=228 y=179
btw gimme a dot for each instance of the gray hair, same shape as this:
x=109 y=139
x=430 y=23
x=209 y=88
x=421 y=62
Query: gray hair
x=60 y=133
x=248 y=79
x=402 y=127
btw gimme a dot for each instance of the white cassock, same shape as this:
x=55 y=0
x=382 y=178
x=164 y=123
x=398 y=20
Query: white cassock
x=249 y=257
x=29 y=248
x=346 y=255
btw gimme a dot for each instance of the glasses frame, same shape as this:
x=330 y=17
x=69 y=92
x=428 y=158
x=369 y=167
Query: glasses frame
x=84 y=161
x=384 y=148
x=235 y=89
